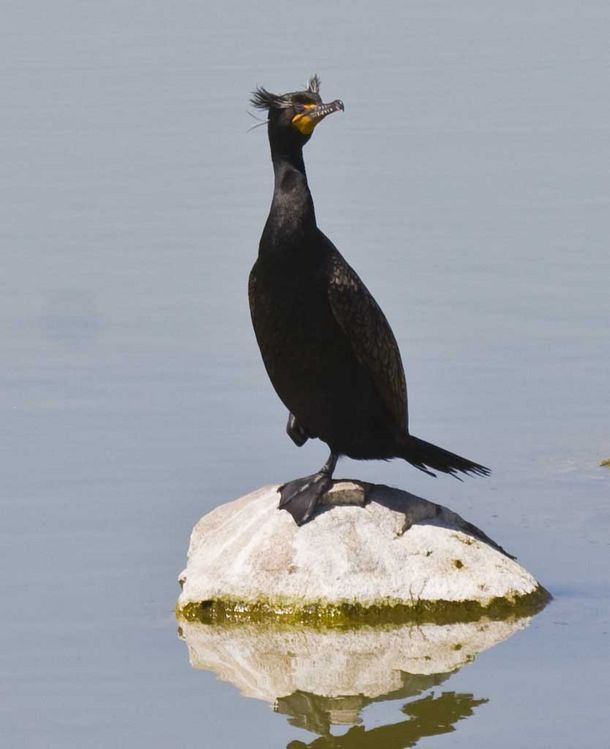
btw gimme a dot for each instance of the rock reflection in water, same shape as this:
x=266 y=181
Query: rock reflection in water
x=320 y=678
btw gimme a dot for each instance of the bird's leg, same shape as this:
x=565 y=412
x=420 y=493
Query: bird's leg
x=300 y=497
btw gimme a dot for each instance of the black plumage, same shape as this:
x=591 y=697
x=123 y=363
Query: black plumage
x=327 y=346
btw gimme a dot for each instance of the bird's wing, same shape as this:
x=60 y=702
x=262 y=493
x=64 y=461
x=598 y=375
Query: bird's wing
x=369 y=333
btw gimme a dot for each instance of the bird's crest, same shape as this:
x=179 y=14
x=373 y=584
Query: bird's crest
x=263 y=99
x=314 y=84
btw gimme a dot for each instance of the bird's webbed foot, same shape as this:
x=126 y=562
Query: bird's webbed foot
x=301 y=496
x=296 y=432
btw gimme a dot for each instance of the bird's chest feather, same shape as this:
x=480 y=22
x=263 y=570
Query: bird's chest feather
x=295 y=328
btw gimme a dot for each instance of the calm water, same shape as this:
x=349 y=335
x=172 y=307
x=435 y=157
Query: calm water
x=467 y=182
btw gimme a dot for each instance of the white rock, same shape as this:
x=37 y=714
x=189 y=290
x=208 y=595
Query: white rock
x=397 y=549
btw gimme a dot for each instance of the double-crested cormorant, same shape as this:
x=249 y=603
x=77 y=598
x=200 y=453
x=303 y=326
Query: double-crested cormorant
x=327 y=346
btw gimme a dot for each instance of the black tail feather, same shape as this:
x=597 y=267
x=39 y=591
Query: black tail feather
x=424 y=455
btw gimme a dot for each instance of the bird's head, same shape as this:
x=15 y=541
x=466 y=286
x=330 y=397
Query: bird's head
x=292 y=117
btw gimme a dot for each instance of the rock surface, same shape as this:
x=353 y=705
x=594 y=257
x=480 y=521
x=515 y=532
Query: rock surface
x=398 y=550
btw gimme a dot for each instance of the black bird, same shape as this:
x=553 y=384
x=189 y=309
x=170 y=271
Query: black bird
x=327 y=346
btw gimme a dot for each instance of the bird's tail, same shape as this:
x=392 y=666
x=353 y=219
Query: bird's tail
x=424 y=455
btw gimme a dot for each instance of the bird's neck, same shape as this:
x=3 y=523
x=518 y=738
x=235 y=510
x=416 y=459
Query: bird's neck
x=286 y=159
x=292 y=219
x=292 y=202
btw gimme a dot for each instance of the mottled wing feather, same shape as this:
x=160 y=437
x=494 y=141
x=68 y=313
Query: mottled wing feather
x=370 y=335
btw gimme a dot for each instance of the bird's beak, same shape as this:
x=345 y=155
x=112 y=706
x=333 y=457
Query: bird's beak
x=306 y=120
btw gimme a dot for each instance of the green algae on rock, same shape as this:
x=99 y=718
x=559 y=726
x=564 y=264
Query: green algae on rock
x=342 y=615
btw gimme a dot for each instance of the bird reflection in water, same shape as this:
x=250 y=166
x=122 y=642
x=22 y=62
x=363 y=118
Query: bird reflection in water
x=429 y=716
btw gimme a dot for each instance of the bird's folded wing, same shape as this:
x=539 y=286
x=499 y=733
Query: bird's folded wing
x=370 y=335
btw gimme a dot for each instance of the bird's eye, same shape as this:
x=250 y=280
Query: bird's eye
x=301 y=100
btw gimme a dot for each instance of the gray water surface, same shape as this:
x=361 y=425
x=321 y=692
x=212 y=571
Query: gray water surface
x=467 y=183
